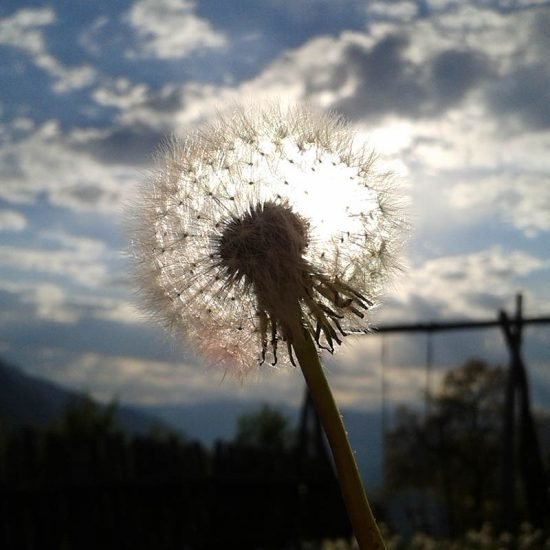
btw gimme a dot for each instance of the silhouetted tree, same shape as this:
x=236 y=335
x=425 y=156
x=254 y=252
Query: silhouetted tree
x=455 y=452
x=85 y=417
x=267 y=428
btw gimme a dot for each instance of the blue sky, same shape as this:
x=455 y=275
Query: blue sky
x=453 y=95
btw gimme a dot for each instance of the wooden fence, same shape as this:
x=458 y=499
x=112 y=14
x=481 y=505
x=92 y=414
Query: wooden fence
x=76 y=492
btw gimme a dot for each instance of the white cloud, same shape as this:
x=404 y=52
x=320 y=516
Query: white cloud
x=63 y=263
x=320 y=71
x=121 y=93
x=401 y=11
x=473 y=285
x=288 y=79
x=170 y=29
x=147 y=381
x=79 y=259
x=136 y=380
x=460 y=131
x=47 y=301
x=23 y=30
x=88 y=38
x=46 y=162
x=10 y=220
x=521 y=199
x=66 y=78
x=50 y=301
x=63 y=304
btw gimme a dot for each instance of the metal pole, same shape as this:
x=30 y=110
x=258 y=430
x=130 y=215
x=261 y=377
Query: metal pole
x=383 y=404
x=429 y=364
x=532 y=469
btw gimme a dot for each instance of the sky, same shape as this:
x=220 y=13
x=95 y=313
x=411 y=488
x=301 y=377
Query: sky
x=454 y=96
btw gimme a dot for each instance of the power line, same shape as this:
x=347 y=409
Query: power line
x=441 y=326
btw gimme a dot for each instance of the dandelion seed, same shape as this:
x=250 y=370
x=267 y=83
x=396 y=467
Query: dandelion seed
x=253 y=214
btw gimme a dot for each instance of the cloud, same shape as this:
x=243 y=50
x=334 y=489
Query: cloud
x=72 y=264
x=90 y=38
x=23 y=30
x=152 y=381
x=11 y=220
x=412 y=71
x=519 y=94
x=394 y=11
x=49 y=301
x=145 y=118
x=523 y=96
x=28 y=305
x=407 y=74
x=138 y=104
x=466 y=286
x=435 y=73
x=120 y=93
x=170 y=29
x=49 y=163
x=522 y=200
x=78 y=260
x=132 y=145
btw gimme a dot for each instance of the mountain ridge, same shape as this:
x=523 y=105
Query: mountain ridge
x=30 y=400
x=27 y=400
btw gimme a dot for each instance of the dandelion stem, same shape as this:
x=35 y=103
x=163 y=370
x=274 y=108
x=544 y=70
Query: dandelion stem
x=362 y=519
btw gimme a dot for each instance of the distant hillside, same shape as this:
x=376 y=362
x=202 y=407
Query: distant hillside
x=216 y=420
x=29 y=400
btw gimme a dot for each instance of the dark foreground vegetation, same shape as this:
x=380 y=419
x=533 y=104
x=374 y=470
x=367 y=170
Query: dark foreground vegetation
x=82 y=484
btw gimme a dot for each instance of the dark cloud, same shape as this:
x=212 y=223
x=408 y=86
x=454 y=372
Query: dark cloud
x=484 y=299
x=453 y=348
x=167 y=100
x=389 y=82
x=386 y=80
x=28 y=335
x=524 y=94
x=416 y=307
x=132 y=145
x=540 y=37
x=453 y=73
x=87 y=193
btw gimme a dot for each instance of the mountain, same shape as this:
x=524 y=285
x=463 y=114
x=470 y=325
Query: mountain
x=29 y=400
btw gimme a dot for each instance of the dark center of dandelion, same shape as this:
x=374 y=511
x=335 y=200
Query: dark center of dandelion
x=264 y=246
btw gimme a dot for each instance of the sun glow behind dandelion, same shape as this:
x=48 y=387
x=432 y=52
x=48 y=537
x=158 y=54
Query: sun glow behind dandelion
x=256 y=213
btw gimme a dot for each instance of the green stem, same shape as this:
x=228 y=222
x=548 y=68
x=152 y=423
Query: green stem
x=362 y=520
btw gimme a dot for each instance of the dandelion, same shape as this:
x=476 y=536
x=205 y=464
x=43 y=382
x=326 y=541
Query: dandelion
x=264 y=238
x=253 y=215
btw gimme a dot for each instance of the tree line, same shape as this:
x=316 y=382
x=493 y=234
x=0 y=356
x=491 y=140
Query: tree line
x=452 y=458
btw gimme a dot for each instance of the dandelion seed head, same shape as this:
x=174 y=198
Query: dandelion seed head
x=254 y=213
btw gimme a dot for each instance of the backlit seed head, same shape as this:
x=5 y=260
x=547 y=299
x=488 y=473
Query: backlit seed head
x=253 y=214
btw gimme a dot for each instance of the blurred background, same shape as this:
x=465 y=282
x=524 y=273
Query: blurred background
x=455 y=99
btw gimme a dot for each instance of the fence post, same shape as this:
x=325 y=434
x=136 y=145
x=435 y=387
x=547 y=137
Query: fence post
x=532 y=471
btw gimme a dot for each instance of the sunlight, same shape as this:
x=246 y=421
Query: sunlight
x=391 y=138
